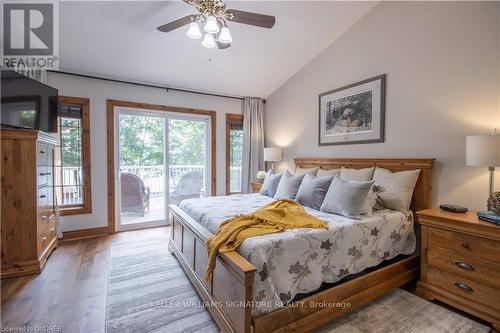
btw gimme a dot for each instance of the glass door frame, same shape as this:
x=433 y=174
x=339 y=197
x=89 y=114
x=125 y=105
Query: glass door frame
x=166 y=115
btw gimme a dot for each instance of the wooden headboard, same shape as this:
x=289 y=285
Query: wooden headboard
x=422 y=193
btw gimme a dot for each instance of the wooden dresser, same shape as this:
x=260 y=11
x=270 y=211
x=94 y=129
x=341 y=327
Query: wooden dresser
x=256 y=187
x=461 y=262
x=28 y=206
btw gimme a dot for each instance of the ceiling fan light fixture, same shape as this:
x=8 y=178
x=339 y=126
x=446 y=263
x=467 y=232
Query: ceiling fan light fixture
x=194 y=30
x=225 y=36
x=209 y=41
x=211 y=25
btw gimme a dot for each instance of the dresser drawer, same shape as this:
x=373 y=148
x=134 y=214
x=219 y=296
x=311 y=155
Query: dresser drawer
x=42 y=175
x=484 y=272
x=468 y=245
x=42 y=153
x=46 y=223
x=46 y=234
x=466 y=288
x=43 y=198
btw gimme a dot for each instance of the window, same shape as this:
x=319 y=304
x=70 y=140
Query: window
x=234 y=152
x=72 y=156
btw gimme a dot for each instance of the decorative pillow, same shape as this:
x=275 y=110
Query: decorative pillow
x=359 y=175
x=331 y=172
x=270 y=183
x=301 y=171
x=396 y=188
x=346 y=197
x=288 y=186
x=312 y=190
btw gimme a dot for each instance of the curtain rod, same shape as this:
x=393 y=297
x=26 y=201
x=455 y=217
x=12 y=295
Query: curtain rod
x=150 y=85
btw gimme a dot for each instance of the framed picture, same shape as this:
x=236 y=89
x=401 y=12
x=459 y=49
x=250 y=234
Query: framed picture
x=353 y=114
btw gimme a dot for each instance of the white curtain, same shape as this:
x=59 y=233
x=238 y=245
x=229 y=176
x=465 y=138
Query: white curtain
x=253 y=141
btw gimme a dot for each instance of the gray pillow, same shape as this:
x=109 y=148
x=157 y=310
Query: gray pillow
x=270 y=183
x=346 y=197
x=288 y=186
x=312 y=190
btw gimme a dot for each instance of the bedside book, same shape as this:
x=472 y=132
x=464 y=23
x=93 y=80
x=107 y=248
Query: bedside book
x=489 y=217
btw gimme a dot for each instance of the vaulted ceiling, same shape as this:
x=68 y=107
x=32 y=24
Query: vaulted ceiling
x=119 y=39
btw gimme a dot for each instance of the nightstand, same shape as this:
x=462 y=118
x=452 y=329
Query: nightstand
x=256 y=187
x=460 y=262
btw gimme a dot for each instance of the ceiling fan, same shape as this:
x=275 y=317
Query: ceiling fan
x=214 y=15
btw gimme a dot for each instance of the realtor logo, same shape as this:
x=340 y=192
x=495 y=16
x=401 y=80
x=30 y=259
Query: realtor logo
x=29 y=35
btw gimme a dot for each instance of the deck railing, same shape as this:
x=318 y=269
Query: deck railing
x=152 y=176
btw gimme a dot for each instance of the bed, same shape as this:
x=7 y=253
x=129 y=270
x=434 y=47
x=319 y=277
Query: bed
x=353 y=262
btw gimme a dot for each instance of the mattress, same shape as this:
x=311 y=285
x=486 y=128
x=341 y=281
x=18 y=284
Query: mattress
x=300 y=260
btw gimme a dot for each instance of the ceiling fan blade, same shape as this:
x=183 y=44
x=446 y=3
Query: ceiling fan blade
x=177 y=23
x=259 y=20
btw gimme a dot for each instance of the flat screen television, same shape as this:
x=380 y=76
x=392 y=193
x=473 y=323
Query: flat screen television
x=27 y=103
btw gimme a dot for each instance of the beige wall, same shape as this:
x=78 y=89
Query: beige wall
x=443 y=83
x=98 y=92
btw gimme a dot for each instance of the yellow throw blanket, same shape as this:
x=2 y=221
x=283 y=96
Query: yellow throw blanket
x=274 y=217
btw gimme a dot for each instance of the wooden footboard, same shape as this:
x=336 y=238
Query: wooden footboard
x=230 y=288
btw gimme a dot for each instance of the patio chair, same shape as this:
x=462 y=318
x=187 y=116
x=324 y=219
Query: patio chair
x=190 y=186
x=135 y=195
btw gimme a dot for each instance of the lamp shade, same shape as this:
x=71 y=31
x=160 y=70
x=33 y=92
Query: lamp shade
x=483 y=150
x=272 y=154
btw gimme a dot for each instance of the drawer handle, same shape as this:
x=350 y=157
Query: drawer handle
x=48 y=173
x=44 y=239
x=43 y=196
x=466 y=246
x=44 y=217
x=42 y=174
x=464 y=265
x=42 y=152
x=464 y=287
x=52 y=230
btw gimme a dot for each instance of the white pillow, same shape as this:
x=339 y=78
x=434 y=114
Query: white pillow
x=396 y=188
x=302 y=171
x=359 y=175
x=330 y=172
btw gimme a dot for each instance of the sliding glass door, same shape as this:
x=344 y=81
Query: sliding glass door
x=187 y=158
x=160 y=158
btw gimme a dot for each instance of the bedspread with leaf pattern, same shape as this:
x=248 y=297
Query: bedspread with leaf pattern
x=300 y=260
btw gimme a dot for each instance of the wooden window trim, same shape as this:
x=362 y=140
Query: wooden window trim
x=86 y=208
x=111 y=104
x=231 y=118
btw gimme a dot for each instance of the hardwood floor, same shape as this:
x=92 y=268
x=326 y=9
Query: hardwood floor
x=70 y=293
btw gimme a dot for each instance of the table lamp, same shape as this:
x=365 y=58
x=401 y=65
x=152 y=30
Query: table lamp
x=484 y=151
x=272 y=155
